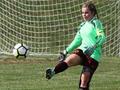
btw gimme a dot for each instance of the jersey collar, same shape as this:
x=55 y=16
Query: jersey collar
x=92 y=19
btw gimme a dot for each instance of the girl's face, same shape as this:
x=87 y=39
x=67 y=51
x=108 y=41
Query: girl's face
x=87 y=14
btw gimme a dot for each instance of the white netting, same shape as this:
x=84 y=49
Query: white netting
x=48 y=26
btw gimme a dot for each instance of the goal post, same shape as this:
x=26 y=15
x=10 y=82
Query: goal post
x=118 y=18
x=111 y=22
x=48 y=26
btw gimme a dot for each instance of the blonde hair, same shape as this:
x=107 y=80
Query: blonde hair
x=91 y=7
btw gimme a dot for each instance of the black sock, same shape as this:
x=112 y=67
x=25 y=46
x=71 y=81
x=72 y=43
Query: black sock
x=60 y=67
x=83 y=88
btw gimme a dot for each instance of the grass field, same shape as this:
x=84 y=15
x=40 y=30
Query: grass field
x=29 y=74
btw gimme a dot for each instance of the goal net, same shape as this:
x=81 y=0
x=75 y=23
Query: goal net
x=48 y=26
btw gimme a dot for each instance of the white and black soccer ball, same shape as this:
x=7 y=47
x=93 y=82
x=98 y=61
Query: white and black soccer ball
x=20 y=50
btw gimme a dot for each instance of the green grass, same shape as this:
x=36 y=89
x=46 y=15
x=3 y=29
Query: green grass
x=29 y=74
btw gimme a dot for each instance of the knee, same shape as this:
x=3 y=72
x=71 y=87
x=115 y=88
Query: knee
x=83 y=83
x=85 y=79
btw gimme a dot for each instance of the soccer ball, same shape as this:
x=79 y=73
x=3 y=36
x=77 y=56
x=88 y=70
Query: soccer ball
x=20 y=50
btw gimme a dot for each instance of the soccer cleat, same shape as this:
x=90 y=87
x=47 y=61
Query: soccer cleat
x=49 y=73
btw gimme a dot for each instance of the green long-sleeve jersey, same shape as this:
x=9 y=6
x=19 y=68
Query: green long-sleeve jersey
x=89 y=33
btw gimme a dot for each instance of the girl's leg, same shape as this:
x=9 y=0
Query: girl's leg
x=85 y=79
x=71 y=60
x=88 y=70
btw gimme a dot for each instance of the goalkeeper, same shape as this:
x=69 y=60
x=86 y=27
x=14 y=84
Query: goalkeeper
x=85 y=49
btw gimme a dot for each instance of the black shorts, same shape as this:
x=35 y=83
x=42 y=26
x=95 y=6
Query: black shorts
x=89 y=64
